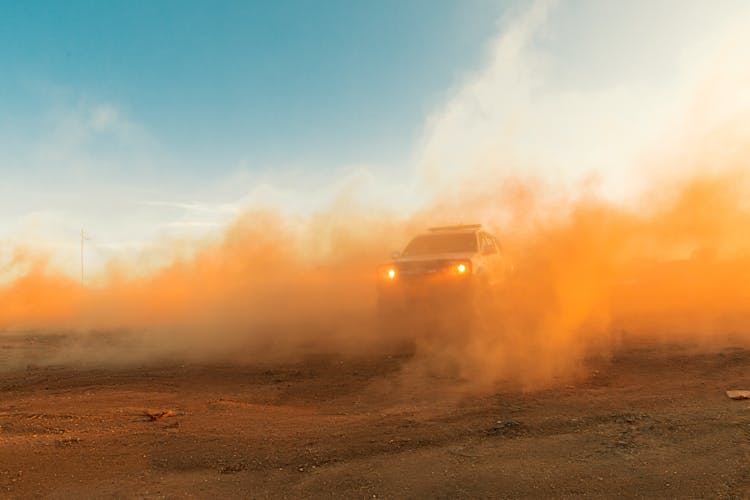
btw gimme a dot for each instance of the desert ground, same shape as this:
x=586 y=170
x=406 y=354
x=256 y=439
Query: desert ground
x=652 y=420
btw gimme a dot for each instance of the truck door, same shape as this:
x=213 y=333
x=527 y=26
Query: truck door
x=491 y=259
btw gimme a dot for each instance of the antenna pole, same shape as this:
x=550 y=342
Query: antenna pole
x=82 y=238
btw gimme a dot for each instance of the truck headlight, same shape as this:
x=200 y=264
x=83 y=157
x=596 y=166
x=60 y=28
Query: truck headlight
x=387 y=273
x=461 y=268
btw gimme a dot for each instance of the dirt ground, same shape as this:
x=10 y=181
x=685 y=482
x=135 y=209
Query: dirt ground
x=653 y=421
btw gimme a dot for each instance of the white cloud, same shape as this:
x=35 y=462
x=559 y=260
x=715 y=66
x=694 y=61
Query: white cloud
x=105 y=116
x=516 y=118
x=218 y=208
x=80 y=139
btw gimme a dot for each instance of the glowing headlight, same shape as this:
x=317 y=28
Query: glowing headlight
x=461 y=268
x=387 y=273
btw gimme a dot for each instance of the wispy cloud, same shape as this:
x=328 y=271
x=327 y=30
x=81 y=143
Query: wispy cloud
x=89 y=138
x=218 y=208
x=515 y=117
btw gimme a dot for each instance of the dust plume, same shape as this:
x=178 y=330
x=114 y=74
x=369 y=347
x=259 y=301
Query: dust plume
x=271 y=285
x=589 y=274
x=609 y=238
x=586 y=273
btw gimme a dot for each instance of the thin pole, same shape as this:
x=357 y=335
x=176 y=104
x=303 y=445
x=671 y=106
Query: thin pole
x=82 y=238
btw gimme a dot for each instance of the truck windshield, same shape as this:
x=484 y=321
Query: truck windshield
x=441 y=243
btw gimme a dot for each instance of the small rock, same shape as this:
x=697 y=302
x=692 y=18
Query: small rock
x=154 y=415
x=503 y=426
x=233 y=469
x=508 y=424
x=738 y=394
x=67 y=442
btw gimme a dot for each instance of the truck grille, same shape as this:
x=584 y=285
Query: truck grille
x=420 y=269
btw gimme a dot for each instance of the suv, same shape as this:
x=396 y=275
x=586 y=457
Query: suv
x=450 y=263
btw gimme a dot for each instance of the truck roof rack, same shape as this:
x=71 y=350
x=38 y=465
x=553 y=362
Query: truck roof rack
x=460 y=227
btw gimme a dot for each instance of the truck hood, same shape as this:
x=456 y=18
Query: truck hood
x=434 y=257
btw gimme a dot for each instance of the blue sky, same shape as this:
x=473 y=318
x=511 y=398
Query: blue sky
x=324 y=83
x=146 y=121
